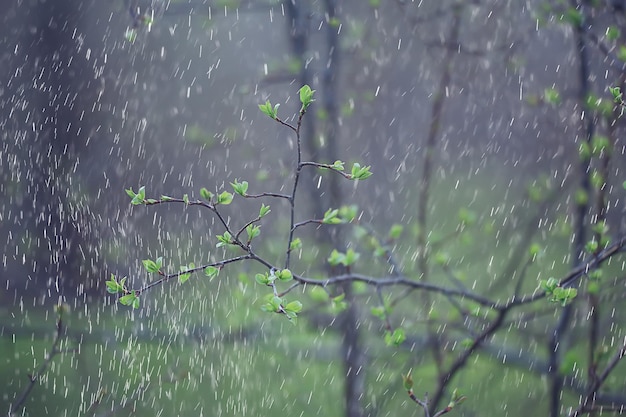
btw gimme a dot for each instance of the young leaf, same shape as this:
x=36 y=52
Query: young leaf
x=150 y=266
x=378 y=312
x=338 y=165
x=330 y=217
x=225 y=239
x=294 y=306
x=206 y=194
x=396 y=338
x=253 y=231
x=284 y=275
x=240 y=187
x=268 y=110
x=407 y=381
x=137 y=198
x=262 y=279
x=264 y=210
x=348 y=213
x=225 y=198
x=130 y=299
x=395 y=231
x=552 y=96
x=114 y=287
x=306 y=97
x=182 y=278
x=336 y=258
x=211 y=271
x=360 y=173
x=616 y=93
x=295 y=244
x=132 y=194
x=351 y=257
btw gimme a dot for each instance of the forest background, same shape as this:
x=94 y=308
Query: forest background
x=483 y=255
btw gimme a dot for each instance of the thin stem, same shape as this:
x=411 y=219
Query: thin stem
x=617 y=357
x=167 y=277
x=277 y=195
x=292 y=197
x=32 y=379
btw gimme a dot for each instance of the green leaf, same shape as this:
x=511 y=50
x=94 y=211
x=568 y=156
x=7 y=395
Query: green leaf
x=360 y=173
x=572 y=16
x=114 y=287
x=549 y=285
x=534 y=250
x=581 y=197
x=306 y=97
x=225 y=239
x=584 y=151
x=616 y=92
x=591 y=246
x=395 y=231
x=467 y=217
x=206 y=194
x=350 y=257
x=150 y=266
x=552 y=96
x=319 y=294
x=378 y=312
x=284 y=275
x=336 y=258
x=612 y=33
x=137 y=198
x=600 y=145
x=442 y=258
x=600 y=228
x=330 y=217
x=348 y=213
x=292 y=316
x=264 y=210
x=186 y=198
x=276 y=302
x=211 y=271
x=253 y=231
x=268 y=110
x=338 y=165
x=407 y=381
x=129 y=299
x=563 y=295
x=295 y=244
x=262 y=279
x=294 y=306
x=183 y=277
x=225 y=198
x=240 y=187
x=595 y=275
x=467 y=342
x=396 y=338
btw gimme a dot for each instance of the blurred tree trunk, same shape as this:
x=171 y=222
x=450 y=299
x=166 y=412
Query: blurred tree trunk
x=50 y=87
x=329 y=189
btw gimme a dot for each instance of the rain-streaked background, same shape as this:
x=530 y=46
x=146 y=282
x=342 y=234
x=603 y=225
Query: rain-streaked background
x=474 y=117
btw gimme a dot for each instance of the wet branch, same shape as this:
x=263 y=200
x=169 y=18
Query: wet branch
x=55 y=350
